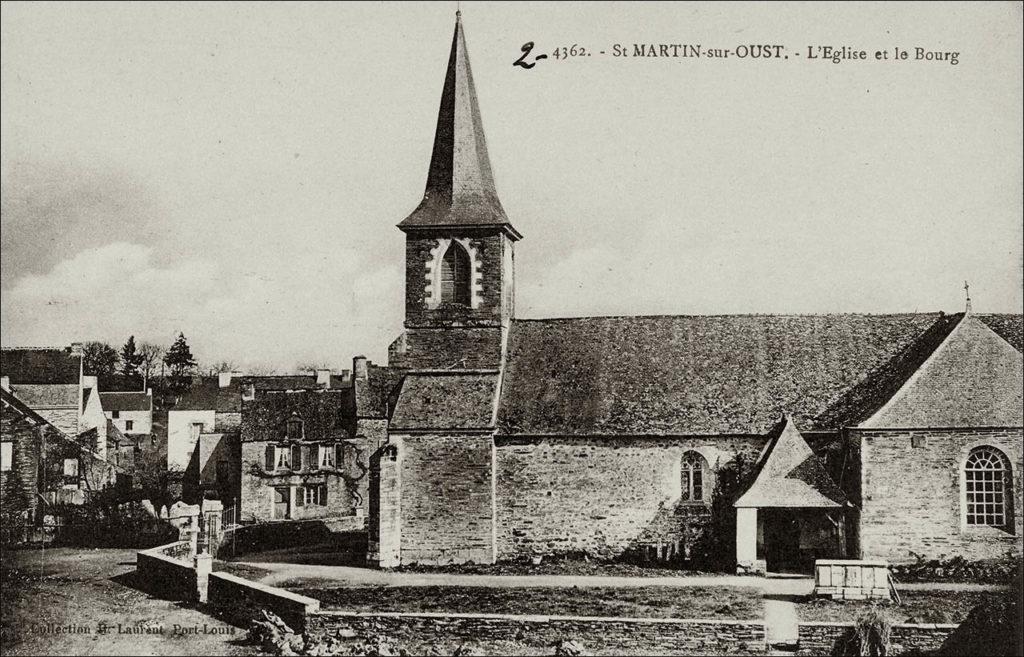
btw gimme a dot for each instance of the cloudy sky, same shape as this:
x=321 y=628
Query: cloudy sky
x=235 y=171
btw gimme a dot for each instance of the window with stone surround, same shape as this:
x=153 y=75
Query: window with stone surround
x=456 y=274
x=692 y=477
x=987 y=488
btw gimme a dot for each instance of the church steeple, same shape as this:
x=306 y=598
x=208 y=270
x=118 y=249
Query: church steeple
x=460 y=188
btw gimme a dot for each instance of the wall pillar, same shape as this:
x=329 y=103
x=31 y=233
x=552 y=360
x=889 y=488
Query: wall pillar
x=203 y=564
x=746 y=540
x=385 y=522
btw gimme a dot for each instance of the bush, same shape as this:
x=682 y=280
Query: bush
x=869 y=637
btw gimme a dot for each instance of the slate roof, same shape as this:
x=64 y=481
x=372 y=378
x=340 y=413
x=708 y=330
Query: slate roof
x=323 y=413
x=11 y=402
x=126 y=401
x=973 y=379
x=115 y=438
x=445 y=401
x=726 y=374
x=1008 y=327
x=791 y=475
x=39 y=365
x=460 y=185
x=39 y=395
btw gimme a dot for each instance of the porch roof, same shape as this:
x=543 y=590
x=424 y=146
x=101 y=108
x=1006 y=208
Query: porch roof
x=791 y=475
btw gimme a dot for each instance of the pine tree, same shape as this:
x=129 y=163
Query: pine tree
x=131 y=359
x=180 y=362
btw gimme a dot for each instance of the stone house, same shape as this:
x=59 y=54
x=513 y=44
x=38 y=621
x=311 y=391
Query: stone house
x=41 y=465
x=130 y=412
x=51 y=382
x=862 y=435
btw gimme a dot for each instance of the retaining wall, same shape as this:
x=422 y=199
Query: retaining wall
x=495 y=634
x=167 y=571
x=821 y=638
x=239 y=601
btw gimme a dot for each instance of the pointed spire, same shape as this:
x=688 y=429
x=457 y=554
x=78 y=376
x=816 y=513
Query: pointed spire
x=460 y=185
x=967 y=292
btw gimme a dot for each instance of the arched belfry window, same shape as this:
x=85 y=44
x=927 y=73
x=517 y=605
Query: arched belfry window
x=988 y=488
x=692 y=477
x=456 y=275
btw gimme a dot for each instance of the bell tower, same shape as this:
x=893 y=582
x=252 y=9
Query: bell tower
x=459 y=264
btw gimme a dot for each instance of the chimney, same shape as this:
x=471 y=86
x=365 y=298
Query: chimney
x=5 y=383
x=89 y=382
x=359 y=368
x=224 y=379
x=323 y=378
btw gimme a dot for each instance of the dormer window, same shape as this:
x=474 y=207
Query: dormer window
x=456 y=274
x=293 y=429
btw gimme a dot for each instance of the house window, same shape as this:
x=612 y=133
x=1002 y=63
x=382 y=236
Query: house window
x=987 y=488
x=129 y=425
x=326 y=456
x=455 y=276
x=293 y=429
x=115 y=414
x=314 y=495
x=278 y=457
x=692 y=477
x=6 y=456
x=71 y=472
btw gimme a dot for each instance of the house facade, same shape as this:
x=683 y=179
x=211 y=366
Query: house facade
x=826 y=435
x=130 y=412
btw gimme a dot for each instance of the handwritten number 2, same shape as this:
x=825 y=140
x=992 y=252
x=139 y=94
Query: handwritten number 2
x=527 y=47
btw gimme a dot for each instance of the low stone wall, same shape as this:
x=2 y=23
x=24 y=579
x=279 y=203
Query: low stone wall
x=167 y=571
x=821 y=638
x=496 y=634
x=239 y=601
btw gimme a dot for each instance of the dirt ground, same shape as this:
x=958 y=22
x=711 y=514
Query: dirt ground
x=918 y=607
x=83 y=602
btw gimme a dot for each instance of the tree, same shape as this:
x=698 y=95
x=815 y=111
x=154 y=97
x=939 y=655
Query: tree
x=180 y=362
x=99 y=359
x=261 y=369
x=131 y=359
x=222 y=366
x=149 y=355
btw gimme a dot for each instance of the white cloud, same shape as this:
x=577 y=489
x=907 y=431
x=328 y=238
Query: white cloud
x=268 y=312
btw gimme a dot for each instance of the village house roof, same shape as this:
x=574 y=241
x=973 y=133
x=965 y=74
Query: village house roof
x=324 y=414
x=446 y=400
x=39 y=365
x=460 y=184
x=790 y=474
x=733 y=374
x=47 y=395
x=126 y=401
x=373 y=394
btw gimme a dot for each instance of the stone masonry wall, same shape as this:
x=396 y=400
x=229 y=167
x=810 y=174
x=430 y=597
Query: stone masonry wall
x=912 y=497
x=440 y=348
x=601 y=495
x=821 y=638
x=19 y=485
x=495 y=635
x=447 y=498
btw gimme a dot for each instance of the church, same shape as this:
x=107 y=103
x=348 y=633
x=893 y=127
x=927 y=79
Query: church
x=849 y=435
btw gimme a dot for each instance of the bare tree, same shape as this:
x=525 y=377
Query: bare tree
x=312 y=366
x=222 y=366
x=151 y=357
x=261 y=370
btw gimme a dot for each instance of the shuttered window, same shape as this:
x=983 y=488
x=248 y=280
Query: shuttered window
x=455 y=276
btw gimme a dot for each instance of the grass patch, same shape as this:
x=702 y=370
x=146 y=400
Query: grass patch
x=727 y=603
x=565 y=566
x=917 y=607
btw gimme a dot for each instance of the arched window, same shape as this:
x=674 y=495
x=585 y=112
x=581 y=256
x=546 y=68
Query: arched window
x=692 y=477
x=987 y=488
x=294 y=428
x=456 y=273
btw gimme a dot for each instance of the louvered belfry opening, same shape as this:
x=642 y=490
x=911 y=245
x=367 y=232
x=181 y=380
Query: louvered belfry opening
x=455 y=276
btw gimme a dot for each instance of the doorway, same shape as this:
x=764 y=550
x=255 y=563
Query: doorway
x=282 y=504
